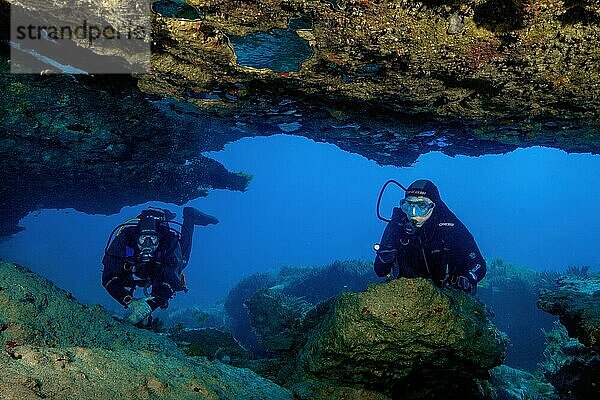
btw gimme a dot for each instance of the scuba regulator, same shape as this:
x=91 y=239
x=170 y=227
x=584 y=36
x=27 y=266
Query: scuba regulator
x=408 y=227
x=385 y=185
x=377 y=247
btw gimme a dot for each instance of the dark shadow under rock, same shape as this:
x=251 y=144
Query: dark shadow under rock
x=577 y=379
x=215 y=344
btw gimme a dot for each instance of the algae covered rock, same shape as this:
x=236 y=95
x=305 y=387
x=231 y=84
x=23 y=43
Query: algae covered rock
x=401 y=337
x=92 y=373
x=277 y=318
x=577 y=303
x=291 y=288
x=404 y=336
x=508 y=383
x=54 y=347
x=572 y=368
x=36 y=312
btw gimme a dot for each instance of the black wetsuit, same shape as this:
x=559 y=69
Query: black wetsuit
x=164 y=273
x=442 y=249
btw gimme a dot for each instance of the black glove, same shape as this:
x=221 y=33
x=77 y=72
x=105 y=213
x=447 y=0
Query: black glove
x=463 y=283
x=387 y=256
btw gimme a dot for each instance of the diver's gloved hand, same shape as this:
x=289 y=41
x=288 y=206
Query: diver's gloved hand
x=463 y=283
x=199 y=217
x=138 y=310
x=387 y=256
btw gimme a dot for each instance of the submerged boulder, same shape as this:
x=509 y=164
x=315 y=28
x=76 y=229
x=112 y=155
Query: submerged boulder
x=277 y=318
x=55 y=347
x=405 y=336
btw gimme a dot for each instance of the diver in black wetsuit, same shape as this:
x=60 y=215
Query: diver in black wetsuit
x=425 y=239
x=147 y=252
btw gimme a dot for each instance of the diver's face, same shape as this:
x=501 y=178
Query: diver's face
x=147 y=245
x=418 y=209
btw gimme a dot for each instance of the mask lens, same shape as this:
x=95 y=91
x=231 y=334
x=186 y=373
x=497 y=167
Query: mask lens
x=405 y=206
x=148 y=240
x=418 y=208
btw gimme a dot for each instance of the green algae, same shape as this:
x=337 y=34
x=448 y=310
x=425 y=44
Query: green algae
x=55 y=347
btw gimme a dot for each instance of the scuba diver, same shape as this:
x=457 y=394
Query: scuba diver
x=425 y=239
x=149 y=249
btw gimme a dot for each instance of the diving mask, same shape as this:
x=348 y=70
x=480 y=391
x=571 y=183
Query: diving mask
x=148 y=238
x=417 y=209
x=416 y=206
x=148 y=241
x=147 y=244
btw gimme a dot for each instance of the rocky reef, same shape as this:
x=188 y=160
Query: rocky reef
x=488 y=71
x=390 y=80
x=310 y=285
x=577 y=302
x=370 y=345
x=55 y=347
x=573 y=367
x=329 y=338
x=569 y=366
x=508 y=383
x=405 y=337
x=96 y=145
x=506 y=70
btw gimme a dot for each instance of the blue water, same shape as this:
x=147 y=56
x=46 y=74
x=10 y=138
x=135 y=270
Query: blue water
x=176 y=9
x=279 y=50
x=311 y=203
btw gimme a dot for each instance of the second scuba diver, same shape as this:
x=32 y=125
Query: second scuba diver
x=149 y=253
x=425 y=239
